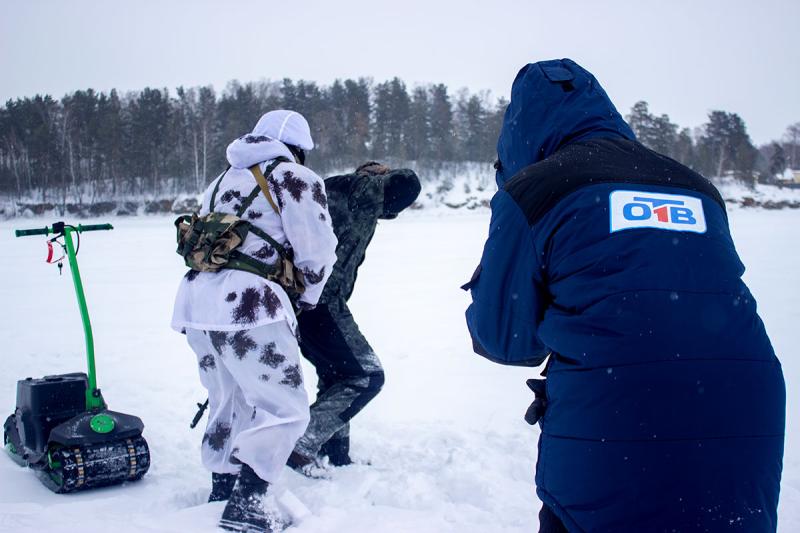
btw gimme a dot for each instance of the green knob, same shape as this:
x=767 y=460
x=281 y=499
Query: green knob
x=102 y=423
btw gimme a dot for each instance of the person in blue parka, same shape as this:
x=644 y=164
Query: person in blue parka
x=663 y=406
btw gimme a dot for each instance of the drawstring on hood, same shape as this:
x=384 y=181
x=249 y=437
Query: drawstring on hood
x=553 y=103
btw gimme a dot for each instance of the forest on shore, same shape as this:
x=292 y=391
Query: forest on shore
x=91 y=146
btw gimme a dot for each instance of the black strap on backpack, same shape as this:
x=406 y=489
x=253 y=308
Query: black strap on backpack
x=248 y=201
x=242 y=259
x=209 y=243
x=259 y=189
x=216 y=189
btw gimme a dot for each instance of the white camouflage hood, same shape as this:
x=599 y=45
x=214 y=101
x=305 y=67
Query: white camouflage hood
x=269 y=138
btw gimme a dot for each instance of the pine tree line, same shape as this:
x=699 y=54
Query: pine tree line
x=93 y=145
x=720 y=147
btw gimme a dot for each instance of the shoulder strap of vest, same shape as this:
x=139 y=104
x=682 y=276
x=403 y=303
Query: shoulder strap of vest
x=256 y=170
x=275 y=244
x=216 y=189
x=262 y=182
x=248 y=201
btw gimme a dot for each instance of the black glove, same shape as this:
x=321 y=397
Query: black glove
x=400 y=190
x=536 y=410
x=473 y=280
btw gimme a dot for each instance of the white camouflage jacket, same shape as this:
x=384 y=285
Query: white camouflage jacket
x=232 y=300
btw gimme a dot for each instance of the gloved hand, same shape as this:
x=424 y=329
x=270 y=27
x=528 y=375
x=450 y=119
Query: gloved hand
x=536 y=410
x=401 y=188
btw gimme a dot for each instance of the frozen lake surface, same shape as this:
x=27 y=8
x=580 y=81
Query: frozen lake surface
x=447 y=446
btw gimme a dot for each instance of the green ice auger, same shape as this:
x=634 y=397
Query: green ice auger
x=94 y=399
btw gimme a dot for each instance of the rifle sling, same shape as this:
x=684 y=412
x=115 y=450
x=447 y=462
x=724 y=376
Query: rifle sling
x=262 y=181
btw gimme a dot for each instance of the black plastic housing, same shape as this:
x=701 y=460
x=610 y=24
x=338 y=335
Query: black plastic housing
x=44 y=403
x=77 y=431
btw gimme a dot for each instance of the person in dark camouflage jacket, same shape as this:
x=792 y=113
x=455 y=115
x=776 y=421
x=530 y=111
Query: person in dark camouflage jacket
x=350 y=374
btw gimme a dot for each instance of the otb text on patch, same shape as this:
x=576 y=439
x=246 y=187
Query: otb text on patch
x=640 y=209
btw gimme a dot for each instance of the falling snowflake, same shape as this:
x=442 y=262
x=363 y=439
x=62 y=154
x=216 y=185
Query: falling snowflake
x=217 y=437
x=313 y=278
x=247 y=310
x=292 y=376
x=270 y=301
x=230 y=297
x=192 y=275
x=242 y=343
x=295 y=186
x=207 y=363
x=270 y=356
x=218 y=340
x=319 y=195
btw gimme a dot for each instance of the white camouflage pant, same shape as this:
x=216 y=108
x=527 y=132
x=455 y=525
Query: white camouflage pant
x=258 y=406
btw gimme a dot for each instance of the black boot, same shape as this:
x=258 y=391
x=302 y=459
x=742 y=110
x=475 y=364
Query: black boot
x=245 y=509
x=221 y=486
x=338 y=451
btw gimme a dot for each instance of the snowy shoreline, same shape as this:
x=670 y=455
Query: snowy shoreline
x=469 y=189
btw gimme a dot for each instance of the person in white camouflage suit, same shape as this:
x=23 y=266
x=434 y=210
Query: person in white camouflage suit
x=243 y=327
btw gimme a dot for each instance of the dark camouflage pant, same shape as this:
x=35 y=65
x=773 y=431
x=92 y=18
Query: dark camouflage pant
x=258 y=405
x=350 y=375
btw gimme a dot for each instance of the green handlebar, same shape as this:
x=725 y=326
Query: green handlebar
x=48 y=230
x=94 y=399
x=94 y=227
x=27 y=232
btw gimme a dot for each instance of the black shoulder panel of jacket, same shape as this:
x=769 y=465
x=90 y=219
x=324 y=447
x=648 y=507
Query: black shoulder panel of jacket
x=342 y=183
x=539 y=187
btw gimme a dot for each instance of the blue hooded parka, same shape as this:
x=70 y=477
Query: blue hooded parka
x=665 y=402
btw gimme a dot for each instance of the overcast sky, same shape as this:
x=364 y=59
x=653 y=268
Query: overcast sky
x=685 y=57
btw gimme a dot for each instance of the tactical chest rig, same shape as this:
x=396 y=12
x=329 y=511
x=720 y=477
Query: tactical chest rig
x=210 y=243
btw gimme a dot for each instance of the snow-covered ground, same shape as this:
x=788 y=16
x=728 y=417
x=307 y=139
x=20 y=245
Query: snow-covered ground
x=448 y=448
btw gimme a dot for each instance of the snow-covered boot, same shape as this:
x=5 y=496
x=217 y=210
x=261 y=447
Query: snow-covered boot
x=309 y=467
x=221 y=486
x=245 y=512
x=298 y=461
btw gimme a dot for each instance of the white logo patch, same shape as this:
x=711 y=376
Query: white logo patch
x=640 y=209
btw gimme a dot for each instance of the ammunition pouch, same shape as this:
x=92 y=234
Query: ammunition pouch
x=211 y=243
